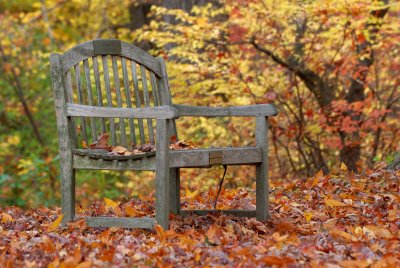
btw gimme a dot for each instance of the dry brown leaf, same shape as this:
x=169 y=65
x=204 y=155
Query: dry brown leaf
x=119 y=149
x=341 y=234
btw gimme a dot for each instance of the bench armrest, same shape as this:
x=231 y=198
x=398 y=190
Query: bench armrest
x=159 y=112
x=247 y=110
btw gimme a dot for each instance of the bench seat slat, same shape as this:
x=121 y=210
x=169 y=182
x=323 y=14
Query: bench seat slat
x=89 y=158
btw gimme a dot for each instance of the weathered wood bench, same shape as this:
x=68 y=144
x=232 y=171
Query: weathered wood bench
x=89 y=99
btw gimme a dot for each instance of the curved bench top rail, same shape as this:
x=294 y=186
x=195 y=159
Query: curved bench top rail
x=109 y=47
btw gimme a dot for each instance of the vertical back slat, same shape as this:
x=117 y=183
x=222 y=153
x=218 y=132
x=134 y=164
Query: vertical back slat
x=68 y=85
x=132 y=133
x=164 y=92
x=137 y=98
x=147 y=101
x=90 y=97
x=109 y=99
x=119 y=99
x=80 y=99
x=98 y=90
x=154 y=89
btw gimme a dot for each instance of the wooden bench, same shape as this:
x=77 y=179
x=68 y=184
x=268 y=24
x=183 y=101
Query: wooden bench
x=126 y=99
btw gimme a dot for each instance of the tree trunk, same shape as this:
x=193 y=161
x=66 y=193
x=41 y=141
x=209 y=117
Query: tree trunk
x=396 y=163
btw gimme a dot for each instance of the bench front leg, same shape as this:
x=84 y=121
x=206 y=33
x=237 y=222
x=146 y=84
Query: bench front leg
x=162 y=172
x=262 y=186
x=67 y=175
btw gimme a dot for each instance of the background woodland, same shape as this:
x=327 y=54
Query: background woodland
x=331 y=67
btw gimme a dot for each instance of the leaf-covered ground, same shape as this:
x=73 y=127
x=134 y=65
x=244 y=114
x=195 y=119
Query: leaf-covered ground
x=341 y=220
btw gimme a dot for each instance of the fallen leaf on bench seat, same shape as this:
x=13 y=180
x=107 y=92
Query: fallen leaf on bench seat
x=101 y=143
x=148 y=147
x=84 y=145
x=119 y=150
x=182 y=145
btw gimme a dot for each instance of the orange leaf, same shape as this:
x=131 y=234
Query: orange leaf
x=84 y=145
x=160 y=232
x=274 y=260
x=341 y=234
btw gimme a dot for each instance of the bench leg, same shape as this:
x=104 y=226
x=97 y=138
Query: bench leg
x=67 y=174
x=162 y=173
x=262 y=187
x=174 y=191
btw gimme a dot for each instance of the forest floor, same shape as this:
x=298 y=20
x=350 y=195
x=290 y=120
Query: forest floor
x=337 y=220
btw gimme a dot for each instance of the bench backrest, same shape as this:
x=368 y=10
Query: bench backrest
x=113 y=73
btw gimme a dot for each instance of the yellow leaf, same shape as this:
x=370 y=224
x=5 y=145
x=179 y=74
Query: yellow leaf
x=333 y=203
x=343 y=166
x=110 y=203
x=6 y=218
x=133 y=212
x=307 y=216
x=190 y=194
x=55 y=223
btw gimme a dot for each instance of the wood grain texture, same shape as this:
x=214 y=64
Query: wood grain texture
x=98 y=90
x=201 y=157
x=123 y=222
x=65 y=133
x=164 y=93
x=90 y=98
x=129 y=51
x=174 y=191
x=237 y=213
x=106 y=155
x=78 y=82
x=137 y=100
x=177 y=159
x=262 y=187
x=162 y=173
x=146 y=97
x=132 y=132
x=160 y=112
x=249 y=110
x=69 y=94
x=142 y=163
x=113 y=133
x=119 y=99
